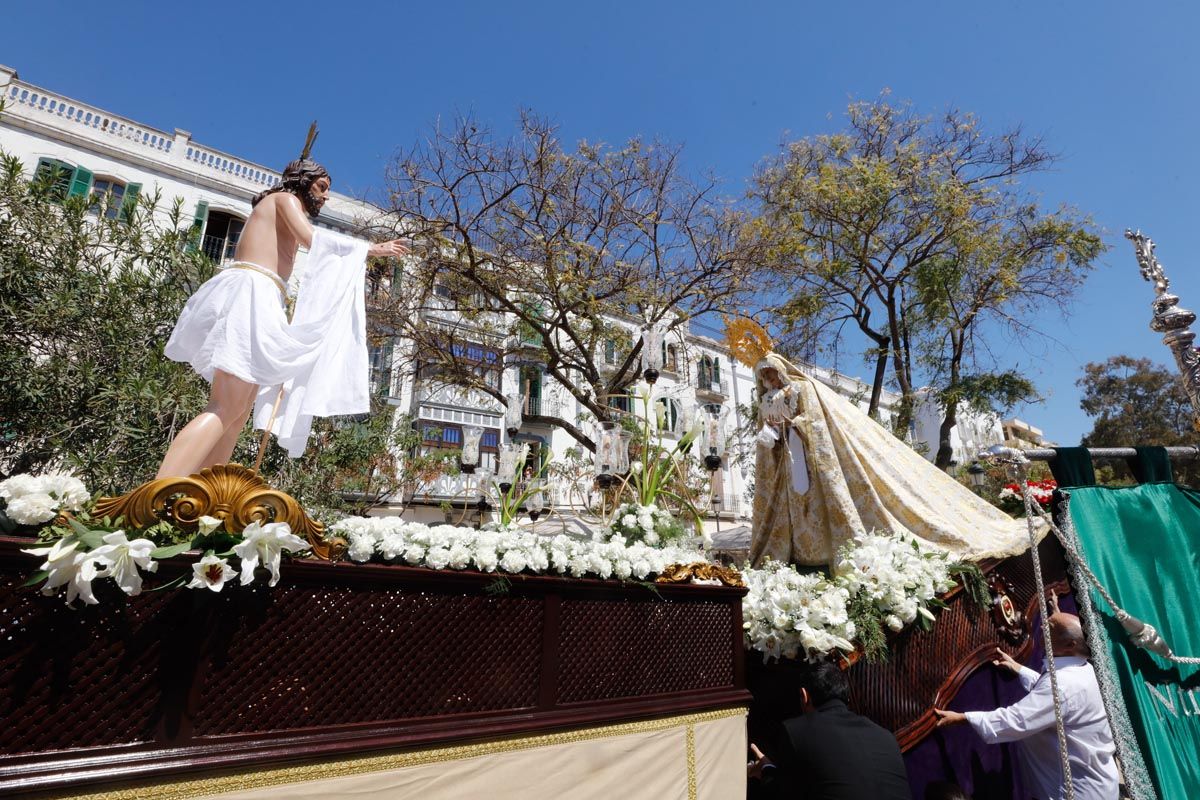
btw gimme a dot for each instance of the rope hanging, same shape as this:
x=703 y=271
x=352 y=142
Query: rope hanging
x=1141 y=633
x=1041 y=593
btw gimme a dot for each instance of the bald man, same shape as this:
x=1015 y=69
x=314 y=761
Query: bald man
x=1031 y=720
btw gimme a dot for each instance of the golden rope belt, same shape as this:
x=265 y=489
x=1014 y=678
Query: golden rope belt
x=279 y=284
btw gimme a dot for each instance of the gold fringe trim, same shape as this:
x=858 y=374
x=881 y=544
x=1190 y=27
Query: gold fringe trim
x=691 y=761
x=321 y=770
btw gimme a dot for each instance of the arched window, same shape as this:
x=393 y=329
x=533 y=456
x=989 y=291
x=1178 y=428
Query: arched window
x=708 y=374
x=671 y=358
x=670 y=414
x=222 y=230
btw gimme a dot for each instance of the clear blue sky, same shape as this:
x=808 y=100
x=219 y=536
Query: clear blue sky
x=1113 y=89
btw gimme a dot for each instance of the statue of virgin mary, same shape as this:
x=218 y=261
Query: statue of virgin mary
x=826 y=472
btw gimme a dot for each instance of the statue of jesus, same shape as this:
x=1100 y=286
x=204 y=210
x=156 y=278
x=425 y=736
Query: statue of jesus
x=234 y=330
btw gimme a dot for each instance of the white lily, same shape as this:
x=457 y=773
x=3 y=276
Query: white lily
x=69 y=567
x=122 y=558
x=208 y=524
x=211 y=572
x=264 y=544
x=690 y=436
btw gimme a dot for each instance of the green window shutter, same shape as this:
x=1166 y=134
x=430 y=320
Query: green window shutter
x=81 y=183
x=58 y=174
x=198 y=223
x=132 y=190
x=716 y=375
x=45 y=168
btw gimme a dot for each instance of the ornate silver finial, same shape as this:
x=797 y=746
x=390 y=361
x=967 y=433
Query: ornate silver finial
x=1143 y=248
x=1170 y=320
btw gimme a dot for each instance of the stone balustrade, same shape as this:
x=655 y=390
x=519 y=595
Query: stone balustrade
x=37 y=105
x=229 y=168
x=23 y=99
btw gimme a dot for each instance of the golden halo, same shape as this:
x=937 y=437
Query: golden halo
x=746 y=340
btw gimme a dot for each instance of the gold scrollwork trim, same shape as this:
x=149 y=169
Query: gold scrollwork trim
x=322 y=770
x=700 y=571
x=229 y=492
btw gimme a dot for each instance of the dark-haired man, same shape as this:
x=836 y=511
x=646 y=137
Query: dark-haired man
x=829 y=752
x=1031 y=720
x=235 y=333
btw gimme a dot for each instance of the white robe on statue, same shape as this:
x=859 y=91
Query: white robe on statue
x=236 y=322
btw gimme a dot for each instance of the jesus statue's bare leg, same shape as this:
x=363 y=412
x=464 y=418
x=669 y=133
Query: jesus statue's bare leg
x=223 y=450
x=209 y=438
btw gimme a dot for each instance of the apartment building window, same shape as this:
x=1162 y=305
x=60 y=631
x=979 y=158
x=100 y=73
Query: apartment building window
x=670 y=414
x=380 y=356
x=64 y=180
x=670 y=358
x=108 y=195
x=708 y=376
x=435 y=434
x=531 y=390
x=221 y=232
x=621 y=401
x=610 y=352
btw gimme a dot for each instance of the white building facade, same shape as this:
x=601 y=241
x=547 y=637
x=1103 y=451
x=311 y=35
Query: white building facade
x=99 y=153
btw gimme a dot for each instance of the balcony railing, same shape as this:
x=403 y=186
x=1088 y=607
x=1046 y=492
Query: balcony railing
x=720 y=387
x=540 y=406
x=218 y=248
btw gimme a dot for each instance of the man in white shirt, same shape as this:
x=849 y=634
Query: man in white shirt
x=1031 y=720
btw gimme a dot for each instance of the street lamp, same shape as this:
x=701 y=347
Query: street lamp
x=607 y=450
x=512 y=456
x=469 y=459
x=513 y=415
x=714 y=437
x=535 y=502
x=978 y=477
x=652 y=355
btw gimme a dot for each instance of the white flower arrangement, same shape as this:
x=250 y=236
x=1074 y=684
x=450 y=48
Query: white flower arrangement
x=651 y=524
x=34 y=499
x=503 y=549
x=786 y=614
x=901 y=577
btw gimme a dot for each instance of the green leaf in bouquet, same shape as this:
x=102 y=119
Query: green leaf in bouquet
x=170 y=550
x=36 y=577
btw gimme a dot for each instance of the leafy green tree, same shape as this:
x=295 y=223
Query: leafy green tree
x=87 y=304
x=355 y=464
x=534 y=248
x=1137 y=402
x=1000 y=275
x=907 y=227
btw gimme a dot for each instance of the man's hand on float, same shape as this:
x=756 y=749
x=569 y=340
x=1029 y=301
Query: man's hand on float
x=754 y=769
x=1004 y=661
x=1052 y=601
x=948 y=718
x=393 y=249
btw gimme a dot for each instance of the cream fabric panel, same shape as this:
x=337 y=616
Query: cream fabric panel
x=684 y=758
x=721 y=755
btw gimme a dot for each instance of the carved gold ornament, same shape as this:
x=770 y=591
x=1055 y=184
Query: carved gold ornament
x=746 y=340
x=700 y=571
x=229 y=492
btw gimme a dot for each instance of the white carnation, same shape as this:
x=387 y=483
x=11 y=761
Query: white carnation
x=69 y=490
x=32 y=509
x=18 y=486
